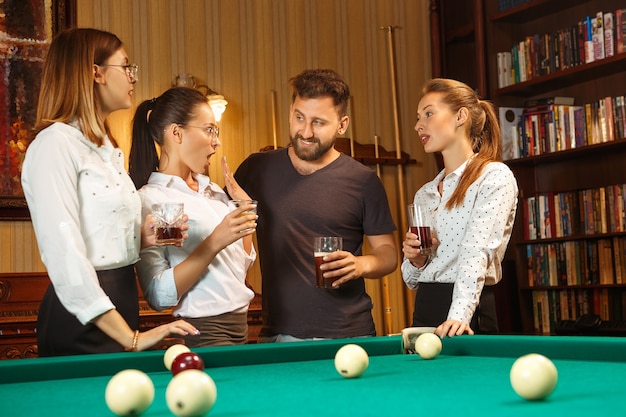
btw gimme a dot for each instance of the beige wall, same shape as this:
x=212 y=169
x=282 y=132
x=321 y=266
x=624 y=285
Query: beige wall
x=248 y=49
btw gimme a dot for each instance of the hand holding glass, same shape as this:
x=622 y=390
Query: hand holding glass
x=323 y=246
x=168 y=222
x=240 y=203
x=420 y=224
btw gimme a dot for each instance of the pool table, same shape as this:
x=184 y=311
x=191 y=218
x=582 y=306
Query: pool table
x=469 y=378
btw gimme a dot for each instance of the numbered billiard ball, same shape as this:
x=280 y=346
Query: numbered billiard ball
x=186 y=361
x=351 y=361
x=129 y=392
x=428 y=345
x=533 y=376
x=190 y=393
x=172 y=352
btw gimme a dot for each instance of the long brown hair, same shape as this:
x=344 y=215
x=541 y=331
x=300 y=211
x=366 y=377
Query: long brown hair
x=483 y=127
x=68 y=92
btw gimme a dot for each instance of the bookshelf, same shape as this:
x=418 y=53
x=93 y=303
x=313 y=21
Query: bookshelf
x=592 y=167
x=563 y=275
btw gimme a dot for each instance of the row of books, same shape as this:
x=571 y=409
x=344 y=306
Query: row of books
x=535 y=130
x=591 y=39
x=552 y=306
x=574 y=213
x=577 y=262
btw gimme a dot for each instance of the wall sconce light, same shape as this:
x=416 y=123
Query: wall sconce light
x=216 y=101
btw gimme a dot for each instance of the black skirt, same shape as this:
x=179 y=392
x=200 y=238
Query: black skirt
x=432 y=303
x=59 y=333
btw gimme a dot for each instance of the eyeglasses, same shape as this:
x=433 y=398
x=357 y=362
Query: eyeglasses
x=131 y=70
x=212 y=131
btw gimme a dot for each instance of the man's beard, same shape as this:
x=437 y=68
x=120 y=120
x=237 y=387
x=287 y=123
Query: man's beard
x=314 y=153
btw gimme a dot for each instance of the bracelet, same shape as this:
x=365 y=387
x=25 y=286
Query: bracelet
x=133 y=348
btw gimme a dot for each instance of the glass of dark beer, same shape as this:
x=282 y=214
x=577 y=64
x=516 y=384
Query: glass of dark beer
x=420 y=224
x=323 y=245
x=168 y=222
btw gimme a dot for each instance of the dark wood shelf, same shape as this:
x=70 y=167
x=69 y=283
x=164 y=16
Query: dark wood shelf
x=531 y=10
x=570 y=238
x=570 y=287
x=566 y=78
x=597 y=150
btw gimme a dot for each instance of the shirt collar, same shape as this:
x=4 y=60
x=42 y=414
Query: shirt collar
x=205 y=186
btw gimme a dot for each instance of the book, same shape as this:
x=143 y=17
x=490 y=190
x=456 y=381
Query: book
x=609 y=34
x=509 y=131
x=620 y=30
x=589 y=56
x=610 y=119
x=597 y=36
x=504 y=69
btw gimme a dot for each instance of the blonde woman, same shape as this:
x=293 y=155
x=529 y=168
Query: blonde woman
x=472 y=201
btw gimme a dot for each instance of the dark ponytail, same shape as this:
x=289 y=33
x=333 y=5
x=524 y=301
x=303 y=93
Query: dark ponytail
x=143 y=158
x=152 y=117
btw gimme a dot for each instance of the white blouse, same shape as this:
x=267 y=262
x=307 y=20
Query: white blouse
x=86 y=214
x=472 y=237
x=222 y=287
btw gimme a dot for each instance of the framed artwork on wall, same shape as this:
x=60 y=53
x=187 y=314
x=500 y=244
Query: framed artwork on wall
x=26 y=30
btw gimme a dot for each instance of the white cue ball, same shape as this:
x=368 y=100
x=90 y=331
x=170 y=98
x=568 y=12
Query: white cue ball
x=351 y=361
x=191 y=393
x=533 y=376
x=129 y=392
x=428 y=345
x=171 y=353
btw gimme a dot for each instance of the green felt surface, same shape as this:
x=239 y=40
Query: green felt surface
x=470 y=378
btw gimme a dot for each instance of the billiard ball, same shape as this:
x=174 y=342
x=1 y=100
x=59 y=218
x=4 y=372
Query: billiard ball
x=190 y=393
x=428 y=345
x=533 y=376
x=172 y=352
x=186 y=361
x=129 y=392
x=351 y=361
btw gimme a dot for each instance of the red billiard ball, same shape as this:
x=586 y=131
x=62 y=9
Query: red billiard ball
x=185 y=361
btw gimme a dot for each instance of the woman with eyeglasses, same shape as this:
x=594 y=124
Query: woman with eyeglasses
x=204 y=279
x=84 y=207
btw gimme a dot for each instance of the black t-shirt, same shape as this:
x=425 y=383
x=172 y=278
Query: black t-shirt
x=343 y=199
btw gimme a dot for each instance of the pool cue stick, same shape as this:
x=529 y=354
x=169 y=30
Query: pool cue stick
x=384 y=282
x=400 y=172
x=274 y=119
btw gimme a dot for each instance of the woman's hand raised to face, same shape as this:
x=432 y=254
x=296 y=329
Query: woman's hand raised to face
x=234 y=190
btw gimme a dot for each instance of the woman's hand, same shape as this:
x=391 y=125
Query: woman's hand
x=234 y=226
x=412 y=252
x=234 y=190
x=452 y=328
x=149 y=338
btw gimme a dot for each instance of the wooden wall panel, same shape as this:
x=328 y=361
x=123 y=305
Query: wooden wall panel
x=245 y=50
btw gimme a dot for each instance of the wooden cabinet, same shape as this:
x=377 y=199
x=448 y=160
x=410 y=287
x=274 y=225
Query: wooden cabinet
x=554 y=273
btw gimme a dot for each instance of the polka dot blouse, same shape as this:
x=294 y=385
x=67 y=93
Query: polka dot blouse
x=472 y=237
